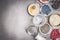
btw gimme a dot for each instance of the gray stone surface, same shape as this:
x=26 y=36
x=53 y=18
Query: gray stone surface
x=13 y=19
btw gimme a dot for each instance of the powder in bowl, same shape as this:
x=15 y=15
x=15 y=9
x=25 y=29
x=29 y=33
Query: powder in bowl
x=46 y=9
x=55 y=4
x=39 y=20
x=54 y=20
x=44 y=29
x=33 y=9
x=55 y=34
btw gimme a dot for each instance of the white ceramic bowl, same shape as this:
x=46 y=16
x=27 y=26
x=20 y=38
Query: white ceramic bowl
x=54 y=13
x=33 y=9
x=31 y=30
x=39 y=20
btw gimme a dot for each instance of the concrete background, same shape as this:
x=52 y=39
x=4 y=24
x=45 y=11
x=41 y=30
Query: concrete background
x=13 y=19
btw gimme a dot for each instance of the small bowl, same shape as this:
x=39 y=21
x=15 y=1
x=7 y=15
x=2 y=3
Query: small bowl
x=46 y=8
x=56 y=13
x=32 y=8
x=39 y=20
x=55 y=34
x=31 y=30
x=55 y=4
x=46 y=33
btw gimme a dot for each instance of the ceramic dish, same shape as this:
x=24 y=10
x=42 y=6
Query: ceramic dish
x=31 y=30
x=55 y=34
x=39 y=20
x=46 y=9
x=54 y=19
x=33 y=9
x=55 y=4
x=45 y=30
